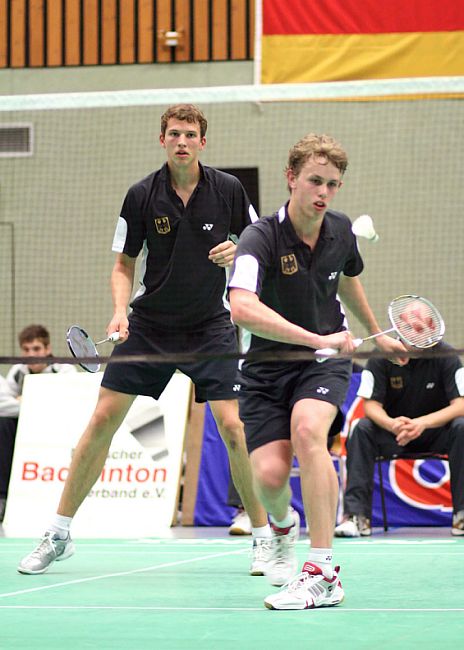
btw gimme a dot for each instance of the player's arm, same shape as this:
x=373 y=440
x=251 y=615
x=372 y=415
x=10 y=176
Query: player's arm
x=375 y=411
x=122 y=282
x=249 y=312
x=353 y=295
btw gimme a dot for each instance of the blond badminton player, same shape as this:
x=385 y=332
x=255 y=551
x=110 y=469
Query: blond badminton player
x=289 y=270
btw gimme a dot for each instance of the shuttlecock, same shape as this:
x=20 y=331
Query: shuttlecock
x=363 y=227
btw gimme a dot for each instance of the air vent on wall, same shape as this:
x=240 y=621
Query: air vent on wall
x=16 y=140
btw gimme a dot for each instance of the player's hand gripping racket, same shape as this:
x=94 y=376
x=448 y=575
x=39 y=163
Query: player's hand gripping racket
x=81 y=345
x=417 y=322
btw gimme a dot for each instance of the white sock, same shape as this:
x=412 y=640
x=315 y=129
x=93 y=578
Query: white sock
x=287 y=522
x=322 y=557
x=262 y=531
x=61 y=525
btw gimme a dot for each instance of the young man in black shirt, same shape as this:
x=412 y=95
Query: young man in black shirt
x=288 y=273
x=183 y=217
x=416 y=407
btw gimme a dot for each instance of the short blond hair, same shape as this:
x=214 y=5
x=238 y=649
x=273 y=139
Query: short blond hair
x=320 y=146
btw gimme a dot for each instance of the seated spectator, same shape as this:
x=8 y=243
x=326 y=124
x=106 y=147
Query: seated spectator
x=415 y=407
x=34 y=341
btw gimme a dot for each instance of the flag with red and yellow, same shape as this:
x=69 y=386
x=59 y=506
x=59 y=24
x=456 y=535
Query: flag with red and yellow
x=335 y=40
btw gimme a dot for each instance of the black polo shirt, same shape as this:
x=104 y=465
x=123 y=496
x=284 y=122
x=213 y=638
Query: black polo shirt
x=298 y=283
x=180 y=287
x=421 y=386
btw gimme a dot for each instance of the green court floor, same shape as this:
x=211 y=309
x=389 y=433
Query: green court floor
x=187 y=593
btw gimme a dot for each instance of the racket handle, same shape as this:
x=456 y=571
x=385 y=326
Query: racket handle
x=114 y=337
x=330 y=352
x=327 y=352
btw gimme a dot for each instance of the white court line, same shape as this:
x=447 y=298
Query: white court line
x=229 y=609
x=121 y=573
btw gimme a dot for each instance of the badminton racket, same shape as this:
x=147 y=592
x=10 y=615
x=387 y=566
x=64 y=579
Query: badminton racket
x=415 y=320
x=81 y=345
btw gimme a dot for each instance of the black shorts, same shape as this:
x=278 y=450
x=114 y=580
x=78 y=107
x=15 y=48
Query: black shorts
x=213 y=379
x=269 y=391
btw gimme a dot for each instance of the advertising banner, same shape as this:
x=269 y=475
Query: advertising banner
x=137 y=491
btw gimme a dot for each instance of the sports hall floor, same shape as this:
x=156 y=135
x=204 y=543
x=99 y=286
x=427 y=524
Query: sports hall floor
x=404 y=589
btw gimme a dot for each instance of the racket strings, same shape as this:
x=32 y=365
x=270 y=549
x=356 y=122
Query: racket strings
x=417 y=321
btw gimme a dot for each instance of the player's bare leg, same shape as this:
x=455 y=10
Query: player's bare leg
x=311 y=421
x=87 y=463
x=92 y=449
x=230 y=427
x=271 y=465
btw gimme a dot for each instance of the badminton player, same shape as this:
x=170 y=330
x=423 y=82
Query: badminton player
x=183 y=218
x=289 y=270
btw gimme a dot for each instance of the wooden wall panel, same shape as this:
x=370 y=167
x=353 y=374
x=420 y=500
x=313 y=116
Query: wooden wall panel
x=163 y=24
x=35 y=33
x=127 y=36
x=90 y=53
x=219 y=30
x=182 y=25
x=145 y=35
x=18 y=33
x=54 y=33
x=72 y=32
x=238 y=29
x=108 y=38
x=201 y=45
x=4 y=20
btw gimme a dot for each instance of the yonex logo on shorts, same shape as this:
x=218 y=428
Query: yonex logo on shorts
x=207 y=226
x=430 y=385
x=333 y=275
x=236 y=387
x=322 y=390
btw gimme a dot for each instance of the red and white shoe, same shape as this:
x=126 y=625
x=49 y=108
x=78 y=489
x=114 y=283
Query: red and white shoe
x=307 y=590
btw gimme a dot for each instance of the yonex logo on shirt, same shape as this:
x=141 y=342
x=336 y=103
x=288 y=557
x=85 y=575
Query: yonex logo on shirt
x=430 y=385
x=333 y=275
x=207 y=226
x=322 y=390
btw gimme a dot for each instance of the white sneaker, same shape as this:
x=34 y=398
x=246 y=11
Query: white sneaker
x=458 y=524
x=307 y=590
x=50 y=549
x=283 y=562
x=260 y=555
x=241 y=524
x=354 y=526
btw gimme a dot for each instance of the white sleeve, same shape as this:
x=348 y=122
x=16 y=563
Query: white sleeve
x=9 y=405
x=245 y=274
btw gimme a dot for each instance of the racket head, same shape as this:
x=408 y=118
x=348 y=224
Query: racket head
x=417 y=321
x=81 y=345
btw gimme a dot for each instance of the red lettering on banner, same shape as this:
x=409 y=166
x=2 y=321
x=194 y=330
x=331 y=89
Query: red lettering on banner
x=33 y=472
x=63 y=474
x=30 y=471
